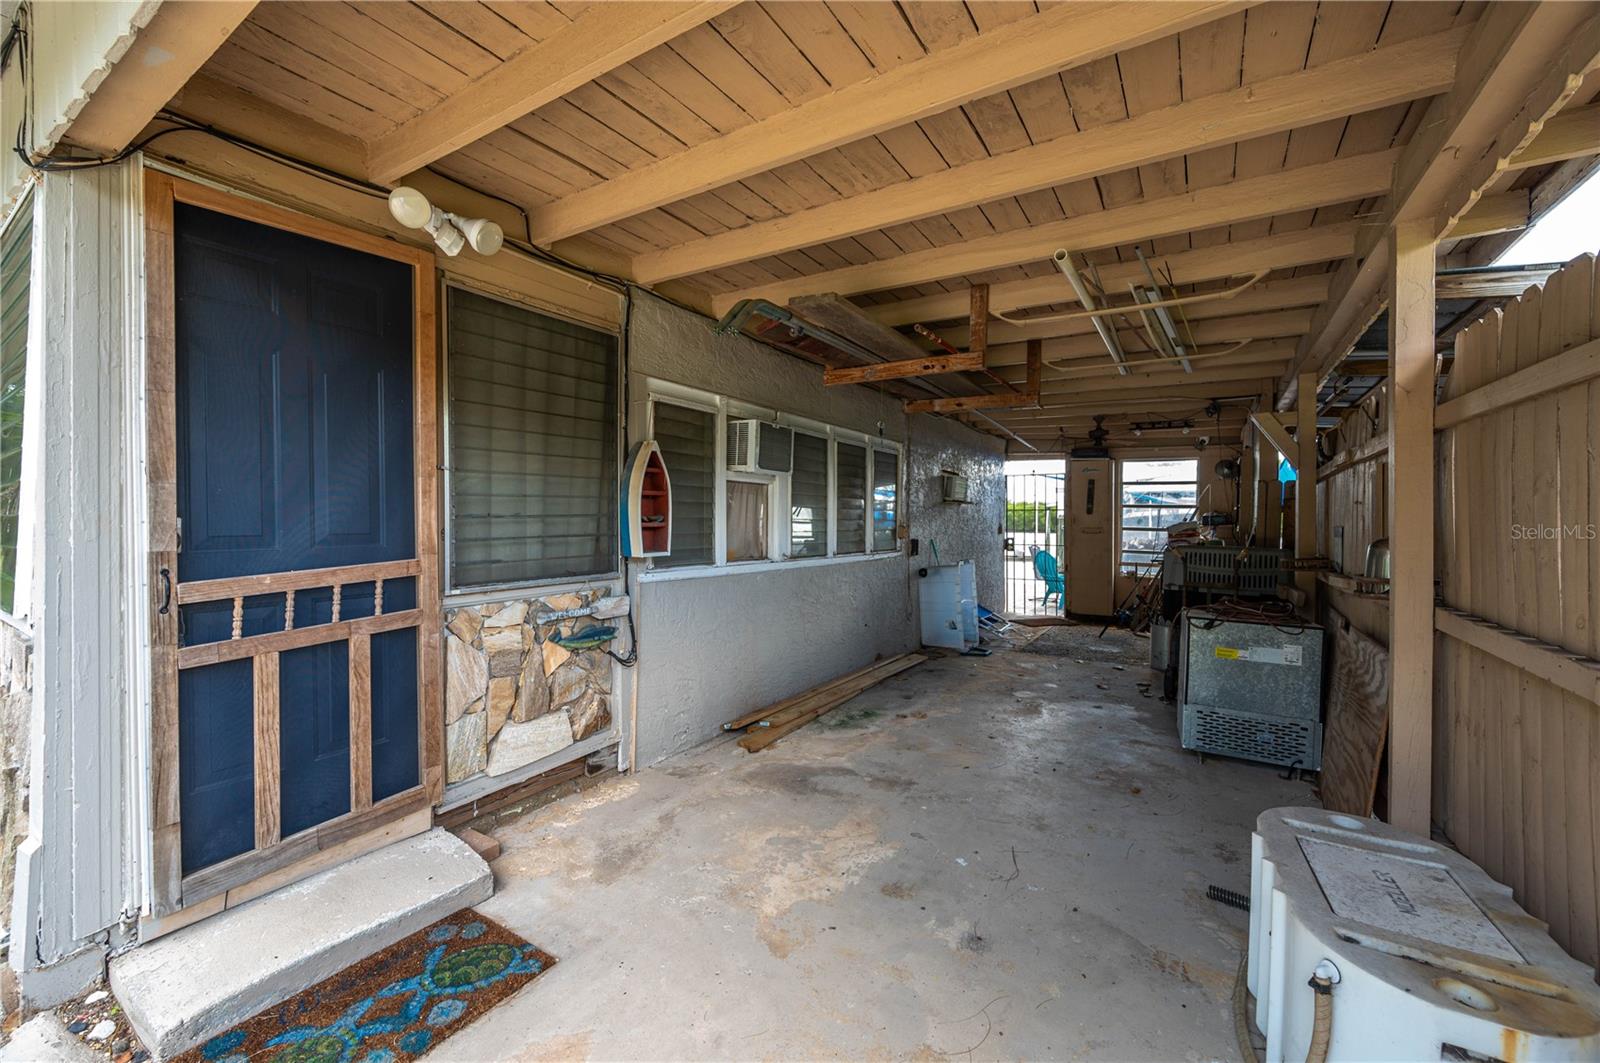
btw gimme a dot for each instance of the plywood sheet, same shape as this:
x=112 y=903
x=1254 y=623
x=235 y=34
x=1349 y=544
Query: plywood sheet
x=1358 y=721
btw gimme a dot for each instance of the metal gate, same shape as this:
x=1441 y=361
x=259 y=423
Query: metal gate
x=1036 y=515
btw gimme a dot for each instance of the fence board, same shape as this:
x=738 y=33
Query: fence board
x=1518 y=773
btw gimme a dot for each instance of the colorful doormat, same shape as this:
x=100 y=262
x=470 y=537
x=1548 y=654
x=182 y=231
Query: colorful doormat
x=393 y=1005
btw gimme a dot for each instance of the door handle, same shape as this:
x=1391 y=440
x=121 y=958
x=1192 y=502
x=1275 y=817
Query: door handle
x=166 y=591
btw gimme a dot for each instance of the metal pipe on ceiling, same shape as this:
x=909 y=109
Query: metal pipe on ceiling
x=1063 y=261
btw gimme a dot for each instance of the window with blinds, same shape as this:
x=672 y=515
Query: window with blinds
x=532 y=444
x=688 y=442
x=808 y=497
x=16 y=258
x=885 y=489
x=852 y=498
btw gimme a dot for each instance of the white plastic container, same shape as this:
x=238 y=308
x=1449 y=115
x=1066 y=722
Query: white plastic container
x=1433 y=958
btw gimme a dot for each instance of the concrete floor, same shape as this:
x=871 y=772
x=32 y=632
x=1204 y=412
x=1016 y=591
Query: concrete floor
x=988 y=858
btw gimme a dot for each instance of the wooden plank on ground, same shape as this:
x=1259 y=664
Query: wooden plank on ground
x=741 y=722
x=761 y=739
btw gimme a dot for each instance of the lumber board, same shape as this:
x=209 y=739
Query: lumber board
x=763 y=738
x=741 y=722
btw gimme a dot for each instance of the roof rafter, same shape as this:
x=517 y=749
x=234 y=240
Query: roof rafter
x=1030 y=48
x=599 y=39
x=1301 y=247
x=1303 y=188
x=1395 y=74
x=165 y=53
x=1270 y=295
x=1520 y=64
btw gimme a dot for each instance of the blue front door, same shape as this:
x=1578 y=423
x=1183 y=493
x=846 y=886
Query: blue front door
x=295 y=420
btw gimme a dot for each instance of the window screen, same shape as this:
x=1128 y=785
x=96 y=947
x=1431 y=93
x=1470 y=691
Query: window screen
x=852 y=480
x=885 y=486
x=688 y=442
x=533 y=445
x=16 y=255
x=808 y=497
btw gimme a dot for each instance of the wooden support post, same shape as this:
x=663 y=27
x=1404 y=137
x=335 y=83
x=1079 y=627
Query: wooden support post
x=1411 y=502
x=978 y=324
x=1305 y=486
x=1035 y=370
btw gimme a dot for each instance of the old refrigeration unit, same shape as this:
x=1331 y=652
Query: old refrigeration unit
x=1250 y=684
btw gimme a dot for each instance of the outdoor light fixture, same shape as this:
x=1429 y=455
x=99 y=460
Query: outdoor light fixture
x=450 y=231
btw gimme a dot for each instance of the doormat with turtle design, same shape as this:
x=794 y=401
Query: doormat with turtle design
x=392 y=1006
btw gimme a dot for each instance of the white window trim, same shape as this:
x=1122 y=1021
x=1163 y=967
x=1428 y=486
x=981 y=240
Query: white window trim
x=778 y=524
x=488 y=593
x=1131 y=568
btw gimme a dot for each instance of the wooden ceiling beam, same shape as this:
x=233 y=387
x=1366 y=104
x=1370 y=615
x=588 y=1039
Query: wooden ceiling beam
x=165 y=54
x=1571 y=134
x=599 y=39
x=1275 y=295
x=1022 y=51
x=1106 y=401
x=1283 y=325
x=1502 y=212
x=1521 y=64
x=1395 y=74
x=1285 y=192
x=1300 y=247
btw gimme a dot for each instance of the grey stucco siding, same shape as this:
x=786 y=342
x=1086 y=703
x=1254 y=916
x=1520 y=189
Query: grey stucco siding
x=715 y=644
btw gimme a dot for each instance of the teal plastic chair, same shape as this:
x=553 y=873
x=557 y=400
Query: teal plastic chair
x=1044 y=566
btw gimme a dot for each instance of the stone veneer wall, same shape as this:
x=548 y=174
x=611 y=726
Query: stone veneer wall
x=16 y=705
x=511 y=695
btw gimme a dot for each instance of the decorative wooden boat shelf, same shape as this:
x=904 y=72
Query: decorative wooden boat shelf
x=647 y=504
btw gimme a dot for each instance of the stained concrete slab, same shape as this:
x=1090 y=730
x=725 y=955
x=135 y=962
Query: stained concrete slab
x=44 y=1039
x=198 y=981
x=988 y=858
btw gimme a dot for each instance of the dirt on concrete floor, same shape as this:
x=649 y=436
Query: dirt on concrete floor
x=998 y=857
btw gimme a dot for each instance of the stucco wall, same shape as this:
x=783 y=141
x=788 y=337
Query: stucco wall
x=961 y=531
x=713 y=646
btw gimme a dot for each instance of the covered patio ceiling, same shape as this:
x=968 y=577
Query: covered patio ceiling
x=898 y=153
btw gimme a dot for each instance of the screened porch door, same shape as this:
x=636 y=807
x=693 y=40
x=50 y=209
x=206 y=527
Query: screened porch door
x=299 y=598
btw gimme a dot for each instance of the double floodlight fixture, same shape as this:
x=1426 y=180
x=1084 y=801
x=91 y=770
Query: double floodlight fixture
x=450 y=231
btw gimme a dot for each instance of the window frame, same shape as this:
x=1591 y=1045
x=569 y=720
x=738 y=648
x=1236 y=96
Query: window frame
x=1138 y=569
x=779 y=501
x=484 y=592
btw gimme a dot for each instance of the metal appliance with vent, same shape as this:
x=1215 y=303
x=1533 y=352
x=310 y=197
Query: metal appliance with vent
x=757 y=446
x=1251 y=688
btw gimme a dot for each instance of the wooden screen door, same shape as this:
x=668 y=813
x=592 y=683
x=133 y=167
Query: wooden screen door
x=293 y=471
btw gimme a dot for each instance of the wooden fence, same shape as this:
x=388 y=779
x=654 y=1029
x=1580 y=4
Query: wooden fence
x=1516 y=772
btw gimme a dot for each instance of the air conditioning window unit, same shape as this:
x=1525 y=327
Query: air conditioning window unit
x=756 y=446
x=955 y=487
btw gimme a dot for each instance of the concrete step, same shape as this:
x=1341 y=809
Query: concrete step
x=197 y=982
